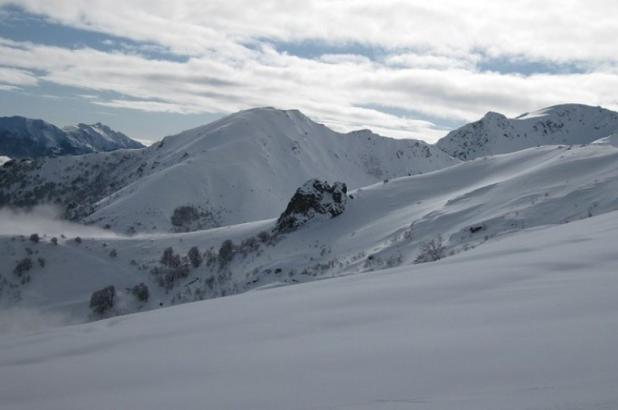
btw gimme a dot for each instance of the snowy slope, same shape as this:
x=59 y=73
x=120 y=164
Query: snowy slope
x=383 y=225
x=526 y=322
x=22 y=137
x=100 y=138
x=241 y=168
x=561 y=124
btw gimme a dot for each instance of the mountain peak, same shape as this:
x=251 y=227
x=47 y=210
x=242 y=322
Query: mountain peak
x=564 y=109
x=100 y=137
x=492 y=115
x=26 y=137
x=566 y=124
x=271 y=113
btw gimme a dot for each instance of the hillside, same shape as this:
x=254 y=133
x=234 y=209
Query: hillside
x=567 y=124
x=100 y=138
x=381 y=226
x=525 y=322
x=241 y=168
x=29 y=138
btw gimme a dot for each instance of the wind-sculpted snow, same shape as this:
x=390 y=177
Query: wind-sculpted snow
x=525 y=322
x=562 y=124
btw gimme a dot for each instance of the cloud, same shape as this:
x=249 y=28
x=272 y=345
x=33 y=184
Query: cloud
x=14 y=78
x=428 y=62
x=45 y=220
x=554 y=30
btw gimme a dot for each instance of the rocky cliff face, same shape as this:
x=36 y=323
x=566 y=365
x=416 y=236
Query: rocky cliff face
x=312 y=199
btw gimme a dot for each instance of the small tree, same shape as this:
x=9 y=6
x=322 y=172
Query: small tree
x=263 y=236
x=431 y=251
x=195 y=257
x=102 y=301
x=169 y=259
x=184 y=216
x=141 y=292
x=408 y=234
x=226 y=252
x=22 y=267
x=35 y=238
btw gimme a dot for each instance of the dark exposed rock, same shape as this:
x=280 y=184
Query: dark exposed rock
x=476 y=228
x=314 y=197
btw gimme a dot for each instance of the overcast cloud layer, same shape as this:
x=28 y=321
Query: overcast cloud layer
x=401 y=68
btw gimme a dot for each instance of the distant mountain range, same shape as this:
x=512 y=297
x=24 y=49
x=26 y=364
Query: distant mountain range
x=266 y=197
x=22 y=137
x=566 y=124
x=244 y=167
x=241 y=168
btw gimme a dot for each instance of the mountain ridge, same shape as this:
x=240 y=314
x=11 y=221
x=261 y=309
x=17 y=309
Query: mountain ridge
x=240 y=168
x=22 y=137
x=494 y=133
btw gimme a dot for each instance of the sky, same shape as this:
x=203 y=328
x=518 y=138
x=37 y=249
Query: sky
x=404 y=69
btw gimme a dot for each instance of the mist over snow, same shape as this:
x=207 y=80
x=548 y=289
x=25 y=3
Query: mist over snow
x=27 y=320
x=45 y=220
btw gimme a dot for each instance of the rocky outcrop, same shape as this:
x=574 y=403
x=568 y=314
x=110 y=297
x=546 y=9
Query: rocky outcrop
x=313 y=198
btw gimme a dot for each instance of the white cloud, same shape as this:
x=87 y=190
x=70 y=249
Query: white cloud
x=429 y=63
x=11 y=78
x=556 y=30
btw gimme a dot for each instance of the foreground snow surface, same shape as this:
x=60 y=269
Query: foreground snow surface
x=526 y=322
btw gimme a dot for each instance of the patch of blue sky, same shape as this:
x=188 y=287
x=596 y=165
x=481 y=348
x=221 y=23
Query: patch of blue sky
x=504 y=65
x=515 y=65
x=18 y=25
x=313 y=49
x=62 y=105
x=440 y=123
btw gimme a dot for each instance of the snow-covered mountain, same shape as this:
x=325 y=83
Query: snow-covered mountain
x=100 y=138
x=526 y=322
x=561 y=124
x=22 y=137
x=242 y=168
x=402 y=221
x=25 y=137
x=521 y=245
